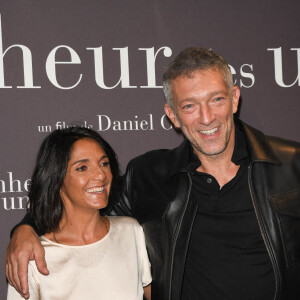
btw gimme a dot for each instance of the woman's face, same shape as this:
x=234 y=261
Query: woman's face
x=88 y=178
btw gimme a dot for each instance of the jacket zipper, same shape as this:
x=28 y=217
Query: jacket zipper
x=260 y=224
x=177 y=232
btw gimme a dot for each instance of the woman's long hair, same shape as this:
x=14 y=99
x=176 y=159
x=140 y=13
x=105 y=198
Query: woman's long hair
x=46 y=205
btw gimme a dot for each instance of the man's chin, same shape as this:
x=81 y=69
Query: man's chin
x=211 y=151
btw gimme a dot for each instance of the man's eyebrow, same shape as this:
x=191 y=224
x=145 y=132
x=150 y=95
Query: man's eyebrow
x=218 y=92
x=209 y=94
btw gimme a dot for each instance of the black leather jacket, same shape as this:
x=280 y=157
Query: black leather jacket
x=156 y=191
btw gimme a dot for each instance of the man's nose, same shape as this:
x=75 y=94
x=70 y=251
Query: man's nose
x=206 y=115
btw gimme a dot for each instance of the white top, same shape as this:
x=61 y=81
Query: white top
x=115 y=267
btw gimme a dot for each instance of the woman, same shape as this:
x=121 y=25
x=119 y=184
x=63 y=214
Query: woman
x=89 y=256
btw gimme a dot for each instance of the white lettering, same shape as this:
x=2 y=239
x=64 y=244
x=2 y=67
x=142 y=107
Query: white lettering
x=233 y=72
x=27 y=64
x=151 y=58
x=247 y=75
x=278 y=66
x=124 y=65
x=13 y=185
x=51 y=66
x=127 y=125
x=117 y=125
x=27 y=184
x=100 y=122
x=15 y=203
x=163 y=120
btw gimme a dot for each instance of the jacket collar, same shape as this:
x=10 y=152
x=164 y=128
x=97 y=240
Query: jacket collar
x=181 y=158
x=258 y=149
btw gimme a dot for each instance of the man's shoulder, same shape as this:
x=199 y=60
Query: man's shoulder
x=270 y=147
x=284 y=148
x=154 y=155
x=283 y=144
x=161 y=157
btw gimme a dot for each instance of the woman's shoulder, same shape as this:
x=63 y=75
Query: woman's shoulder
x=123 y=221
x=127 y=229
x=125 y=224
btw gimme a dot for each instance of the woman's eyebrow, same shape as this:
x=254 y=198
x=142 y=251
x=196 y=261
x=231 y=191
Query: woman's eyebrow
x=102 y=157
x=86 y=160
x=80 y=161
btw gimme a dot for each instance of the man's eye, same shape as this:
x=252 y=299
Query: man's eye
x=187 y=106
x=219 y=99
x=81 y=168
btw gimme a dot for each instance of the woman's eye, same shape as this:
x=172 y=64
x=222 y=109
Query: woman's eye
x=105 y=164
x=81 y=168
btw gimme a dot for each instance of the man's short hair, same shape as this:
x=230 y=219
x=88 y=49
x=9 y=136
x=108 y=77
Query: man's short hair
x=194 y=59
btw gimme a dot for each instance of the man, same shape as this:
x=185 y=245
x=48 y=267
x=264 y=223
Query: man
x=221 y=211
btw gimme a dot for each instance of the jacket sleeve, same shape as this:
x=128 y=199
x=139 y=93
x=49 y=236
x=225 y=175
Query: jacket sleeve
x=122 y=201
x=27 y=220
x=124 y=198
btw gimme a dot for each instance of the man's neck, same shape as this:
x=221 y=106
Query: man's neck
x=220 y=166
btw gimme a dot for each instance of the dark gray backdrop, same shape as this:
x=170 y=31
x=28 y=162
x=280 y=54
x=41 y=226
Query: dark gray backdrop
x=259 y=39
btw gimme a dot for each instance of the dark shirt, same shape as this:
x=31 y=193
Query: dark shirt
x=227 y=258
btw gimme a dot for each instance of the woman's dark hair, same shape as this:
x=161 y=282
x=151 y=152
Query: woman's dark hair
x=46 y=205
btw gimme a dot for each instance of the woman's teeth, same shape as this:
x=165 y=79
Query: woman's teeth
x=95 y=190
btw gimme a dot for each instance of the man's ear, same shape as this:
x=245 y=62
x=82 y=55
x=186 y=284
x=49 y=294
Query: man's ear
x=171 y=115
x=235 y=99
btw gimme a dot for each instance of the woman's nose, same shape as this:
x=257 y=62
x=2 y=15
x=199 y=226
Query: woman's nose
x=100 y=174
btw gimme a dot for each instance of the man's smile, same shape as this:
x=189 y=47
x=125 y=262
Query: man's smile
x=209 y=132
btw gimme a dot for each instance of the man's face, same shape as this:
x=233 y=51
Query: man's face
x=203 y=107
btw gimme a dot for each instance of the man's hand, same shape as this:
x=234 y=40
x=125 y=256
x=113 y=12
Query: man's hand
x=24 y=246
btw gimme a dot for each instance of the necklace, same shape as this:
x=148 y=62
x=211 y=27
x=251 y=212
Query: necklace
x=54 y=237
x=103 y=220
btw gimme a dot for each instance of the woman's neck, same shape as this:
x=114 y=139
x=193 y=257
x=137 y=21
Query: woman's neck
x=80 y=228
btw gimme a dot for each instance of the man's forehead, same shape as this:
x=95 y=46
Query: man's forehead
x=199 y=78
x=193 y=86
x=189 y=74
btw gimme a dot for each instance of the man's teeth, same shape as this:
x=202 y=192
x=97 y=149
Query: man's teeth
x=96 y=190
x=209 y=132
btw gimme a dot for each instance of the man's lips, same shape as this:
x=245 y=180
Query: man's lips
x=209 y=132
